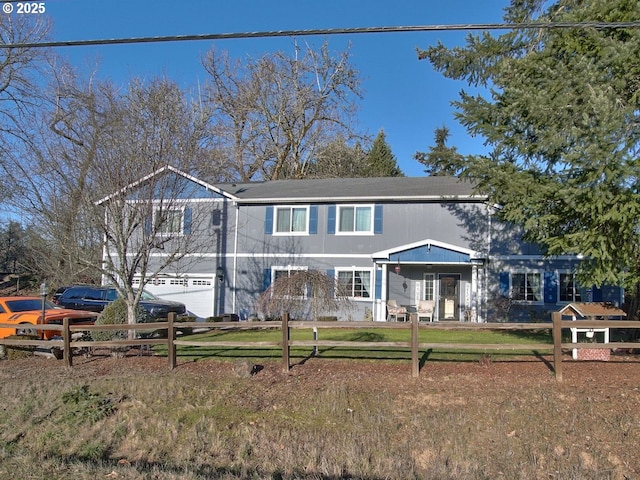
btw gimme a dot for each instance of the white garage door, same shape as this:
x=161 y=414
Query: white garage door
x=196 y=292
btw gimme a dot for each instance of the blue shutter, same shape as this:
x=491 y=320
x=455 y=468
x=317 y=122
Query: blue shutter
x=147 y=224
x=550 y=287
x=331 y=219
x=268 y=221
x=313 y=219
x=504 y=284
x=377 y=219
x=331 y=273
x=266 y=278
x=596 y=296
x=378 y=287
x=186 y=219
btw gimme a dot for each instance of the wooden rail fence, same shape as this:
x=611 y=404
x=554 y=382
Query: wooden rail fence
x=67 y=342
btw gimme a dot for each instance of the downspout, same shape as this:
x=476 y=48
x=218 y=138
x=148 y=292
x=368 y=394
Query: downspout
x=104 y=247
x=485 y=286
x=235 y=258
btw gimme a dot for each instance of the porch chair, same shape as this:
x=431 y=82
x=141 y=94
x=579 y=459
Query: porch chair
x=395 y=312
x=425 y=309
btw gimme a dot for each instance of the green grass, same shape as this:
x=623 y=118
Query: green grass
x=372 y=335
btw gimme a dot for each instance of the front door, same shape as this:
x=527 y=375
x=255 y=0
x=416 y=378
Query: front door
x=449 y=298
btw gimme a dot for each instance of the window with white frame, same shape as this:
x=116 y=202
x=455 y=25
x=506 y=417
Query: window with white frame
x=277 y=273
x=292 y=220
x=569 y=288
x=355 y=219
x=526 y=286
x=354 y=282
x=428 y=286
x=169 y=221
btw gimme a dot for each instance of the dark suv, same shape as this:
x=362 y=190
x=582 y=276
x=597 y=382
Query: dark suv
x=95 y=298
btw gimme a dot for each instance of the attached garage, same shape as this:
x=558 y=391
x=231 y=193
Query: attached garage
x=196 y=292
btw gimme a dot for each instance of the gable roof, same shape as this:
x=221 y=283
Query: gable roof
x=427 y=251
x=370 y=189
x=168 y=169
x=592 y=309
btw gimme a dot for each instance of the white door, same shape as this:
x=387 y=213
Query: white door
x=196 y=292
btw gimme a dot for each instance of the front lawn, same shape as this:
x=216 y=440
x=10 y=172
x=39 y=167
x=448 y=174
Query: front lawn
x=373 y=335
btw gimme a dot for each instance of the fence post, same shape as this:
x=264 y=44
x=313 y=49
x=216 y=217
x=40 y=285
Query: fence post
x=556 y=318
x=171 y=336
x=415 y=362
x=66 y=343
x=285 y=342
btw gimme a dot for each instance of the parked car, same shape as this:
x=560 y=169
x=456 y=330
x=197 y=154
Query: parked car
x=95 y=298
x=24 y=311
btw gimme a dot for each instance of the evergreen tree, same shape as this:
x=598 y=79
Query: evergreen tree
x=562 y=120
x=441 y=159
x=382 y=162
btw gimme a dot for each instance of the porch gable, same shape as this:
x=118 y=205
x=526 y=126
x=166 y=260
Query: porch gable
x=427 y=252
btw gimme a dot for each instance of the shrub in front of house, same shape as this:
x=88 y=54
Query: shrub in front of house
x=116 y=314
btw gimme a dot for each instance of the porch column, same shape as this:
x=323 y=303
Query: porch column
x=381 y=310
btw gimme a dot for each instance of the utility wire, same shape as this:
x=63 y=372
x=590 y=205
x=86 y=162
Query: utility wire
x=327 y=31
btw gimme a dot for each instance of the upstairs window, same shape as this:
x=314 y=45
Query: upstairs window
x=172 y=221
x=355 y=219
x=292 y=220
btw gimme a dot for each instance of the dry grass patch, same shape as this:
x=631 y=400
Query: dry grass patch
x=134 y=419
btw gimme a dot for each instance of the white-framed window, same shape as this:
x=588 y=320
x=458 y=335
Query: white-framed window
x=169 y=221
x=291 y=220
x=527 y=286
x=569 y=290
x=355 y=219
x=288 y=271
x=355 y=282
x=428 y=286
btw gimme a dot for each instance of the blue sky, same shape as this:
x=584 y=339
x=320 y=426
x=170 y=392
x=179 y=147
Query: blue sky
x=403 y=96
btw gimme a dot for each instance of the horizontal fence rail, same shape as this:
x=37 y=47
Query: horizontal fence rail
x=66 y=341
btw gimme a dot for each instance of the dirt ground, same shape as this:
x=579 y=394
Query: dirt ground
x=620 y=372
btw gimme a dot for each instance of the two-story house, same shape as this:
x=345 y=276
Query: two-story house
x=406 y=239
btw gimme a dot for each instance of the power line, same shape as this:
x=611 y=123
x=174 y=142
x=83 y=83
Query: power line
x=327 y=31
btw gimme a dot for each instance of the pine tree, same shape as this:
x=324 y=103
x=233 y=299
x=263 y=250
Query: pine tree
x=441 y=159
x=382 y=162
x=562 y=120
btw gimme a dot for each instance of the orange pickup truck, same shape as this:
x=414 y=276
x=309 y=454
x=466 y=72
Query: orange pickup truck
x=24 y=311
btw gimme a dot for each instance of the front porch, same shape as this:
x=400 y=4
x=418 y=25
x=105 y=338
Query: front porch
x=450 y=278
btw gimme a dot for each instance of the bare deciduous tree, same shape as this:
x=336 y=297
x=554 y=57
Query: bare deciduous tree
x=99 y=185
x=272 y=114
x=305 y=294
x=20 y=88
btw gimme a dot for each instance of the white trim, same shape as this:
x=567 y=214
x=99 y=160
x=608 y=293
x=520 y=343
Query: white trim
x=355 y=232
x=268 y=255
x=576 y=286
x=386 y=254
x=354 y=269
x=288 y=269
x=290 y=232
x=164 y=169
x=526 y=271
x=536 y=257
x=424 y=286
x=165 y=210
x=368 y=199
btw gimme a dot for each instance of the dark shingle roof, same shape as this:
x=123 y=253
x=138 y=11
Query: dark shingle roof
x=352 y=189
